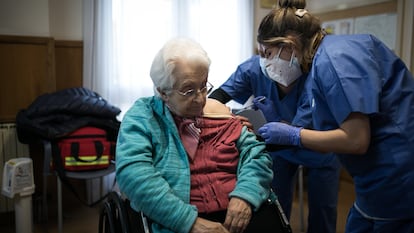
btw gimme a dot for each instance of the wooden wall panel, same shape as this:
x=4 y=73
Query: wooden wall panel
x=69 y=64
x=26 y=71
x=32 y=66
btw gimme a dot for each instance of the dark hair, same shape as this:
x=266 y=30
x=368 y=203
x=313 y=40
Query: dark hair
x=291 y=24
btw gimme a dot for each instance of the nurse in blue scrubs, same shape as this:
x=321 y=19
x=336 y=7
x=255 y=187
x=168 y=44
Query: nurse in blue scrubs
x=287 y=102
x=362 y=100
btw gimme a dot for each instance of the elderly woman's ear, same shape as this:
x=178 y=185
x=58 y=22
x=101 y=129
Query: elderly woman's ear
x=163 y=95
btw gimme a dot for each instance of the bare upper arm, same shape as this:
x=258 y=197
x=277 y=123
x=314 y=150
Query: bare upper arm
x=357 y=128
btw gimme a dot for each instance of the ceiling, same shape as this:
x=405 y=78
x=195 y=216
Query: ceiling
x=318 y=6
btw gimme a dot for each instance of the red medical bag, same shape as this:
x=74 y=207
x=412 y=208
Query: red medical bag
x=86 y=149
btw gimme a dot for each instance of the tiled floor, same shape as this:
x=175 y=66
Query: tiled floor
x=81 y=219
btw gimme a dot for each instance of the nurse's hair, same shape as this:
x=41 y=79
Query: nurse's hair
x=174 y=51
x=291 y=24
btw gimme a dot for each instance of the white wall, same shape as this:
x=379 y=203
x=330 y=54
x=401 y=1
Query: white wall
x=65 y=19
x=21 y=17
x=61 y=19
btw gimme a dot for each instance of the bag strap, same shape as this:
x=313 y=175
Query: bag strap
x=57 y=159
x=74 y=150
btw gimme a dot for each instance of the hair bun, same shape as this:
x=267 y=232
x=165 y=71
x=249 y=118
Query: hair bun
x=298 y=4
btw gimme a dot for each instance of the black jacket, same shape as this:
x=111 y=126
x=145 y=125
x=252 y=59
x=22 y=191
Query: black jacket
x=54 y=115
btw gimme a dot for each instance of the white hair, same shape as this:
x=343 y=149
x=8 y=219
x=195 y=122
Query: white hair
x=164 y=63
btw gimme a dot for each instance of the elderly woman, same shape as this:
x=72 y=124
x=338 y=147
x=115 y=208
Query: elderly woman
x=188 y=166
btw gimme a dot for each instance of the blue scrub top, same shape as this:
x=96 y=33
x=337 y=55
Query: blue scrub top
x=358 y=73
x=249 y=80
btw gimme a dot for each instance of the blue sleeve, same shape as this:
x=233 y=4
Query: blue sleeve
x=239 y=85
x=348 y=76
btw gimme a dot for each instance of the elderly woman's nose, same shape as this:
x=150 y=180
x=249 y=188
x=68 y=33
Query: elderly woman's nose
x=199 y=97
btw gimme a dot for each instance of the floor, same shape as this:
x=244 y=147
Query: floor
x=345 y=200
x=82 y=219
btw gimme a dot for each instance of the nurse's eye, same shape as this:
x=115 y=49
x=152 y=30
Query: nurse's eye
x=267 y=53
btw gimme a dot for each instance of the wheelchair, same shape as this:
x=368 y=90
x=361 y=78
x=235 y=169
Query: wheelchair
x=117 y=216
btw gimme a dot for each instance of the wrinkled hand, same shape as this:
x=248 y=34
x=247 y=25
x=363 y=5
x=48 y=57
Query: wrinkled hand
x=280 y=133
x=202 y=225
x=245 y=121
x=267 y=107
x=238 y=215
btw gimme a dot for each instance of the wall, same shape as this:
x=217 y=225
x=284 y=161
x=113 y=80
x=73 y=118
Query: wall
x=65 y=19
x=41 y=50
x=259 y=13
x=60 y=19
x=20 y=17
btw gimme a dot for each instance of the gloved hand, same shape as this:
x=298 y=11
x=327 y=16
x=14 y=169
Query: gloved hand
x=280 y=133
x=267 y=107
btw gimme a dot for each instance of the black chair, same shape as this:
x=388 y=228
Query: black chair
x=63 y=178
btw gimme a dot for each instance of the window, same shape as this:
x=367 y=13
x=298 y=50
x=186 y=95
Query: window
x=125 y=36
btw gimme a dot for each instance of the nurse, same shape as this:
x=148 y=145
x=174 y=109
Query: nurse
x=362 y=100
x=286 y=101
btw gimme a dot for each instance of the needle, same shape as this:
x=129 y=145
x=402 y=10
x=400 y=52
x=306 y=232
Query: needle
x=249 y=106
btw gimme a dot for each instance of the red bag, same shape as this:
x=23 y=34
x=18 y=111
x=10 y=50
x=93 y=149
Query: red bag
x=86 y=148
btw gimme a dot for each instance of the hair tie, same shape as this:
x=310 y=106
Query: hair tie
x=300 y=12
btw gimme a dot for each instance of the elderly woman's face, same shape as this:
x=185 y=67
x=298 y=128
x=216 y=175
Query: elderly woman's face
x=188 y=95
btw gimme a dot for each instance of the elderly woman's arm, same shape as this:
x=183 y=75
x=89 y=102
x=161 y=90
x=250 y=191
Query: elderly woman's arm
x=253 y=182
x=141 y=181
x=255 y=173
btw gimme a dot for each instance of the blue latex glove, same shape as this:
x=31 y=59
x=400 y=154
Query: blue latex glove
x=267 y=107
x=280 y=134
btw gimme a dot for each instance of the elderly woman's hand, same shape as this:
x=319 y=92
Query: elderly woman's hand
x=238 y=216
x=202 y=225
x=245 y=121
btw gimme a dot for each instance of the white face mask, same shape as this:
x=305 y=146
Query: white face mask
x=281 y=71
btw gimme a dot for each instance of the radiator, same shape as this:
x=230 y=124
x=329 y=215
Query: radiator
x=10 y=147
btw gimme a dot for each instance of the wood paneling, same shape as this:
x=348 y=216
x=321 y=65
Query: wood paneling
x=32 y=66
x=69 y=64
x=26 y=71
